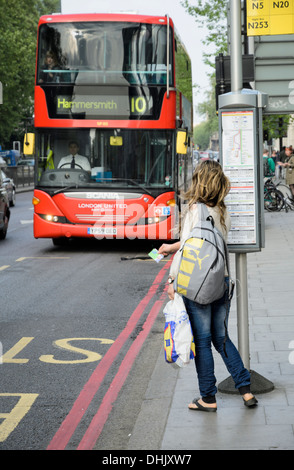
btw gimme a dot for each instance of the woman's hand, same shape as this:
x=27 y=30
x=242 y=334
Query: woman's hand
x=167 y=249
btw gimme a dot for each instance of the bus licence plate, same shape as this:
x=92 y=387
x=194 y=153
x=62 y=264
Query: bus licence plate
x=102 y=231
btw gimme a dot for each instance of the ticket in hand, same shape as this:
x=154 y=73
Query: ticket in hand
x=155 y=255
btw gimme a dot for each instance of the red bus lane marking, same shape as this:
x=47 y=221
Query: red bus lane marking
x=94 y=430
x=69 y=425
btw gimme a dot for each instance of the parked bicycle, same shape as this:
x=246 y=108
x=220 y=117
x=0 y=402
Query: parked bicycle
x=275 y=199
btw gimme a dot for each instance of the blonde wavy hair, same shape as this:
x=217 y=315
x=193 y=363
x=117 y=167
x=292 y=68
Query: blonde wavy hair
x=209 y=186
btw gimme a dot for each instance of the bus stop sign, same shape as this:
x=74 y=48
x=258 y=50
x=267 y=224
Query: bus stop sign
x=269 y=17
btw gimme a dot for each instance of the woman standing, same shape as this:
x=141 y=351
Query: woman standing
x=210 y=187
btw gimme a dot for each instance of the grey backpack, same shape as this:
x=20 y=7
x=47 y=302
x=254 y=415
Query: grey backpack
x=204 y=256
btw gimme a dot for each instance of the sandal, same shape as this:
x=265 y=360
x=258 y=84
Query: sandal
x=251 y=402
x=201 y=407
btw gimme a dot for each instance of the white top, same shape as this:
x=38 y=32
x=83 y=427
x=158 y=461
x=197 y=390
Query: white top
x=79 y=160
x=190 y=221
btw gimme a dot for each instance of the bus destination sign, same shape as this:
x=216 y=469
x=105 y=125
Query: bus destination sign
x=98 y=106
x=270 y=17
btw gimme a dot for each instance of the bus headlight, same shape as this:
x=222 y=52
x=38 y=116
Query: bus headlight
x=154 y=220
x=151 y=220
x=53 y=218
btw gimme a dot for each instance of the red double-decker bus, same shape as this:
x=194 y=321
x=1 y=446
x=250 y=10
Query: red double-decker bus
x=109 y=104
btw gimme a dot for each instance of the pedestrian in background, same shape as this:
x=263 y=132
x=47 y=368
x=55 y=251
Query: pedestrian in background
x=274 y=156
x=284 y=156
x=289 y=167
x=268 y=164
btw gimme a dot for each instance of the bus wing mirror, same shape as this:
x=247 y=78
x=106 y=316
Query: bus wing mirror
x=29 y=144
x=182 y=141
x=116 y=140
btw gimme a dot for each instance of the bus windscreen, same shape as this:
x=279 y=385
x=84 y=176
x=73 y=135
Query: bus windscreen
x=91 y=158
x=105 y=53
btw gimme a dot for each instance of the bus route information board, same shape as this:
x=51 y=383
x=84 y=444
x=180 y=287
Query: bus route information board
x=238 y=165
x=270 y=17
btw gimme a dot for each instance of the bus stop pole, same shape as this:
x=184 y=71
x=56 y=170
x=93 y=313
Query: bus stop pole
x=236 y=46
x=241 y=258
x=242 y=308
x=259 y=384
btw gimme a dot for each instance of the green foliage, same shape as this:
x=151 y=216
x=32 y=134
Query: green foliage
x=18 y=37
x=205 y=130
x=213 y=14
x=183 y=71
x=202 y=135
x=276 y=126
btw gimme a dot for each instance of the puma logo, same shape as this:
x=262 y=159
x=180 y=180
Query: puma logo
x=192 y=253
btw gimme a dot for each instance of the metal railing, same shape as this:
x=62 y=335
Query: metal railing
x=22 y=175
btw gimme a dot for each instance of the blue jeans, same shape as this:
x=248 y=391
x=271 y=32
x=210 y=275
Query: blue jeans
x=208 y=326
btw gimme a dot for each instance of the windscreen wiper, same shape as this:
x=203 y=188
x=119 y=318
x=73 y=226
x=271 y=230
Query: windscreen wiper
x=141 y=186
x=62 y=190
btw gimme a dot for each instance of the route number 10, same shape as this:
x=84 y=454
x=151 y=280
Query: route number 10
x=138 y=105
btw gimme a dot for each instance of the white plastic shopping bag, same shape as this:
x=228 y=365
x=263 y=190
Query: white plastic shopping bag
x=179 y=347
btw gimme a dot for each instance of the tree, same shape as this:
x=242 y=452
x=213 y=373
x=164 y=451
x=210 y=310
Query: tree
x=183 y=71
x=213 y=14
x=202 y=135
x=204 y=131
x=275 y=126
x=18 y=35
